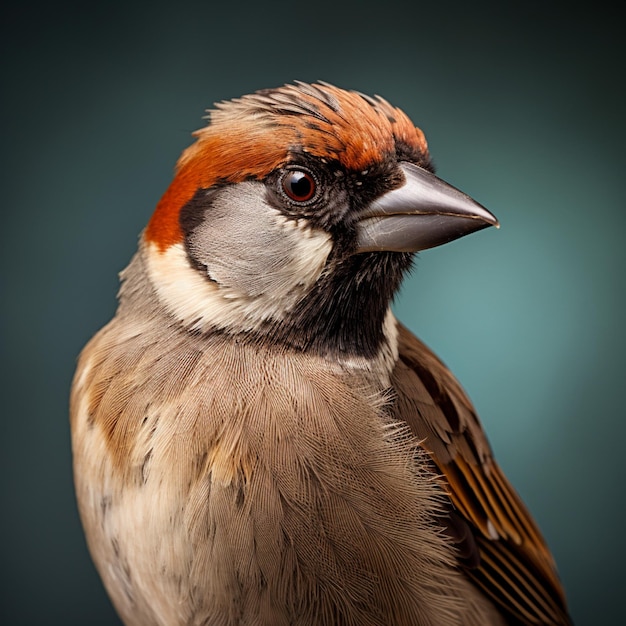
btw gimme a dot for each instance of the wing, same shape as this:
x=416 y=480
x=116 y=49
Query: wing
x=500 y=546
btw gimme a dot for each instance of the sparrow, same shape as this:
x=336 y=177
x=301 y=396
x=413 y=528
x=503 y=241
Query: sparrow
x=256 y=439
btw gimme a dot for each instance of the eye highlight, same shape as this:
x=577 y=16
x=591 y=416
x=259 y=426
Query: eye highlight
x=299 y=185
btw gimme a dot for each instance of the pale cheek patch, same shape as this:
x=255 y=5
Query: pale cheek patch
x=253 y=252
x=201 y=304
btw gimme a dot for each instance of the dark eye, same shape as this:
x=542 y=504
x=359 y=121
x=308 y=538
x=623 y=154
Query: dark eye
x=299 y=185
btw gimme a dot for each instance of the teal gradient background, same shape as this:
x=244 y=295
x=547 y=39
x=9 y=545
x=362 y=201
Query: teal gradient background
x=523 y=108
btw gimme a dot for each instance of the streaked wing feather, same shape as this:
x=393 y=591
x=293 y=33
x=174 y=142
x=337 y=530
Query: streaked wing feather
x=515 y=566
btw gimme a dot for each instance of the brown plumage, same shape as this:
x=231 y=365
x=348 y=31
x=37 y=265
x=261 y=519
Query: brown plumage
x=256 y=439
x=514 y=564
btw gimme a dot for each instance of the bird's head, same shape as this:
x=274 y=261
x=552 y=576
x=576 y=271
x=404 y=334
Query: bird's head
x=295 y=214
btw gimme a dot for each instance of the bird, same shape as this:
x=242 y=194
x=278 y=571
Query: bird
x=256 y=439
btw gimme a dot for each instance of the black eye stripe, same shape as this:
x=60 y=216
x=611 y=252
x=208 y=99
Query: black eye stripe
x=299 y=185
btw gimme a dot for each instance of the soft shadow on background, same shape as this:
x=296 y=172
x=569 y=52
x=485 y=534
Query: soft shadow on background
x=523 y=109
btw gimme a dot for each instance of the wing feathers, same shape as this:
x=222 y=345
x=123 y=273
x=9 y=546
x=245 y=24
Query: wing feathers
x=518 y=585
x=508 y=557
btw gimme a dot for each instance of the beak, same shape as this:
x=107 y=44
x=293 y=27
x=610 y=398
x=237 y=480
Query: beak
x=425 y=212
